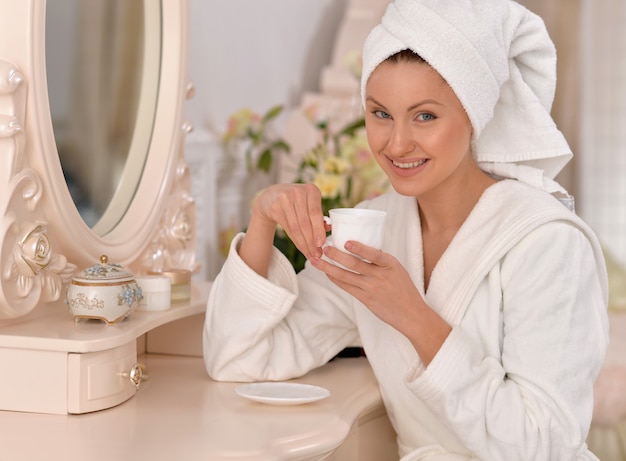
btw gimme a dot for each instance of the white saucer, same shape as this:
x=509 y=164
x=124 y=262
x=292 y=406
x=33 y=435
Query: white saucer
x=276 y=393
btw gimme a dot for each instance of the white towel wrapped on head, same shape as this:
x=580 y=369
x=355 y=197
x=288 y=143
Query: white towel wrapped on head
x=498 y=58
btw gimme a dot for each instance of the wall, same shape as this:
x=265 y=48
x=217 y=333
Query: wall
x=602 y=175
x=251 y=53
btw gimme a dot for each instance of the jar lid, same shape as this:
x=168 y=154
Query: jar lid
x=177 y=276
x=154 y=283
x=104 y=272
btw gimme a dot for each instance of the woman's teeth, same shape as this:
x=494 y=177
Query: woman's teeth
x=409 y=165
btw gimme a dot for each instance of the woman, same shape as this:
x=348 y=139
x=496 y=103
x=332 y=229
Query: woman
x=484 y=314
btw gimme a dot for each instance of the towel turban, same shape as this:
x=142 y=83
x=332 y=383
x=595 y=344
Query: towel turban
x=498 y=58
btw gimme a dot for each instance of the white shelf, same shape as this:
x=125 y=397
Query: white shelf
x=51 y=363
x=52 y=327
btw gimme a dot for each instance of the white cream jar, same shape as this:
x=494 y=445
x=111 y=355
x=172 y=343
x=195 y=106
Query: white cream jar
x=156 y=291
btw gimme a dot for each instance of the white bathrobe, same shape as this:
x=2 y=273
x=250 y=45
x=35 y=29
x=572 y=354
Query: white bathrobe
x=522 y=283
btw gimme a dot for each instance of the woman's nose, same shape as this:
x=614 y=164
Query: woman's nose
x=400 y=141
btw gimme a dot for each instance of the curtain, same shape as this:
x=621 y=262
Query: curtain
x=602 y=176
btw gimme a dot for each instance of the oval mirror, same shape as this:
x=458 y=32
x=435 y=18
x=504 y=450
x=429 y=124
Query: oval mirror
x=148 y=221
x=153 y=182
x=103 y=61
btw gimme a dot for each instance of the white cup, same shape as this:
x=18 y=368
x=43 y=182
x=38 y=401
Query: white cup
x=359 y=224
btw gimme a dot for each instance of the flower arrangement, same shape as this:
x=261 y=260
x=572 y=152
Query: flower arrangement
x=248 y=126
x=342 y=167
x=252 y=134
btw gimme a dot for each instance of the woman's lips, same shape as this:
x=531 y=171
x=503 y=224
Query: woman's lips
x=408 y=165
x=408 y=168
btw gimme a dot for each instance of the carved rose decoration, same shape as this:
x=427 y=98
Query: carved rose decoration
x=181 y=227
x=32 y=252
x=34 y=264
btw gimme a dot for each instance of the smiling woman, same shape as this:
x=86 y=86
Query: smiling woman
x=426 y=130
x=465 y=311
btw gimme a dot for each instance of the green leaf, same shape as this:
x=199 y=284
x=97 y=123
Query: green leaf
x=351 y=128
x=322 y=125
x=265 y=161
x=281 y=145
x=348 y=187
x=273 y=113
x=249 y=159
x=286 y=246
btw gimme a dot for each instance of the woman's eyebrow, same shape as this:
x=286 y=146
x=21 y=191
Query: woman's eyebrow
x=411 y=107
x=422 y=103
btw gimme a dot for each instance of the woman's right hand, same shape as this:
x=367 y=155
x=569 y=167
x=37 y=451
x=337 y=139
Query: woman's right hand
x=297 y=208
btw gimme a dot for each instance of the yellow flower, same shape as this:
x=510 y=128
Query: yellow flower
x=329 y=184
x=311 y=159
x=356 y=150
x=336 y=165
x=240 y=122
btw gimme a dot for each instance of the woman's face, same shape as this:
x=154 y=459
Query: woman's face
x=417 y=128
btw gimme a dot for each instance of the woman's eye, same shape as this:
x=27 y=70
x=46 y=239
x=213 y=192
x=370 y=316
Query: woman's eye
x=425 y=117
x=381 y=114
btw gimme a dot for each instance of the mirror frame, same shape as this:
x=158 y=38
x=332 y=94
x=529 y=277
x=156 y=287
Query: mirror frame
x=43 y=239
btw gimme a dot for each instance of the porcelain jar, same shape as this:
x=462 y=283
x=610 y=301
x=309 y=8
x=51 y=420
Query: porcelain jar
x=105 y=292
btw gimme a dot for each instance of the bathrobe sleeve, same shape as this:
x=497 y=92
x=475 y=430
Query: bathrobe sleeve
x=534 y=401
x=275 y=328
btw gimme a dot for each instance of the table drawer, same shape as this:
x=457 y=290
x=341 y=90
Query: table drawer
x=60 y=382
x=98 y=380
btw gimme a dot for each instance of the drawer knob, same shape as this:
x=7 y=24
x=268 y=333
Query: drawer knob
x=137 y=375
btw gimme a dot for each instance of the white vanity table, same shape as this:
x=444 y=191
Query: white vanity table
x=181 y=414
x=48 y=363
x=178 y=412
x=62 y=366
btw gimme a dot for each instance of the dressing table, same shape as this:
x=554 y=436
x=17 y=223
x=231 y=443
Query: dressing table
x=181 y=414
x=81 y=389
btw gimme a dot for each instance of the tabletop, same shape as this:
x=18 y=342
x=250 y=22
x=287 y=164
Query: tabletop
x=180 y=413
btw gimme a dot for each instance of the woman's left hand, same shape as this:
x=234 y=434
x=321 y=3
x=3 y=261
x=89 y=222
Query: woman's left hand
x=378 y=280
x=381 y=283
